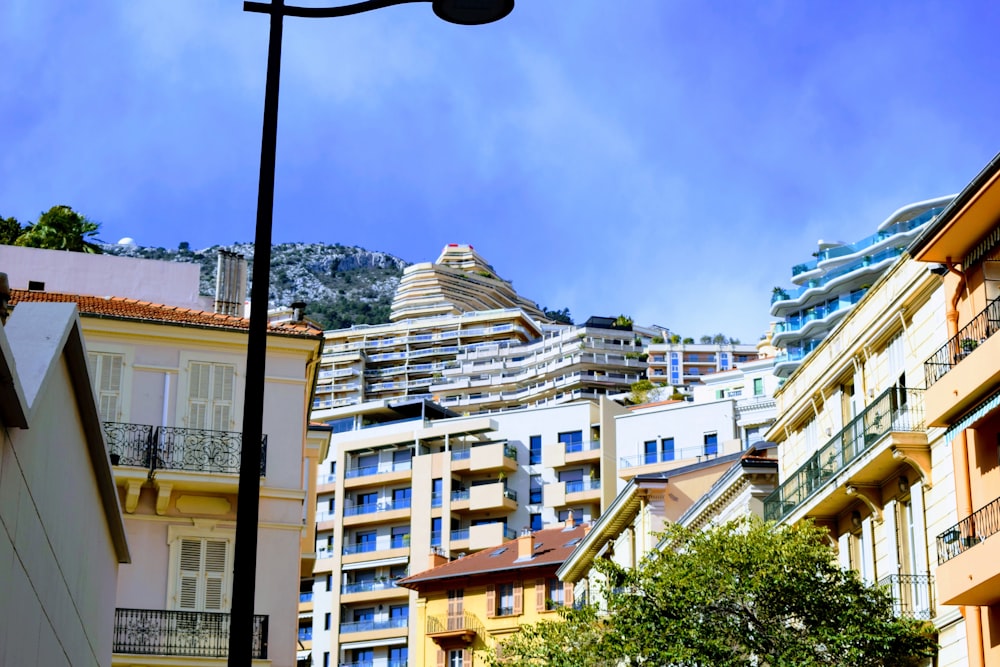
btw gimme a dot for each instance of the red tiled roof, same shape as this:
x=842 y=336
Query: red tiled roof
x=116 y=307
x=552 y=547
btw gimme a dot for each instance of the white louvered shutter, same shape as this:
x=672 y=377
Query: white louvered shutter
x=189 y=573
x=201 y=584
x=215 y=575
x=106 y=372
x=210 y=396
x=199 y=394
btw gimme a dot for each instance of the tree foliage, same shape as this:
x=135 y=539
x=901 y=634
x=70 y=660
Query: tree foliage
x=561 y=315
x=744 y=593
x=640 y=392
x=59 y=228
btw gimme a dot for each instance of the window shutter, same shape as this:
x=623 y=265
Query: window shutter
x=190 y=567
x=215 y=575
x=222 y=396
x=491 y=600
x=106 y=371
x=540 y=594
x=441 y=658
x=466 y=657
x=198 y=395
x=568 y=598
x=518 y=598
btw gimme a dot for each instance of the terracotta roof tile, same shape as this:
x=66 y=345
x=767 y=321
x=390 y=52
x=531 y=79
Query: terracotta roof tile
x=552 y=547
x=117 y=307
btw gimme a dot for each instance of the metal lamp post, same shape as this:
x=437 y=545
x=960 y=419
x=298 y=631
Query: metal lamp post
x=462 y=12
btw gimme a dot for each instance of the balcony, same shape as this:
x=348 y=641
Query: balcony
x=197 y=634
x=912 y=595
x=953 y=386
x=449 y=630
x=851 y=456
x=179 y=449
x=968 y=575
x=695 y=453
x=485 y=457
x=385 y=472
x=373 y=626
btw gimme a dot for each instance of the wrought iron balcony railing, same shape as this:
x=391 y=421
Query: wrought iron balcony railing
x=173 y=448
x=981 y=327
x=894 y=410
x=440 y=624
x=912 y=594
x=969 y=532
x=199 y=634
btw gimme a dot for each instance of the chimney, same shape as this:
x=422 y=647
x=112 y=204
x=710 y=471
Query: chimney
x=298 y=311
x=570 y=521
x=587 y=527
x=437 y=558
x=230 y=283
x=525 y=545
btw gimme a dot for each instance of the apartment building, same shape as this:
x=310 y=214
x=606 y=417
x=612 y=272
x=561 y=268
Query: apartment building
x=418 y=478
x=828 y=286
x=169 y=389
x=858 y=454
x=62 y=537
x=461 y=334
x=684 y=366
x=962 y=375
x=466 y=606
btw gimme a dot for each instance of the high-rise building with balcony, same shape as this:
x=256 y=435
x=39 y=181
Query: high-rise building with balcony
x=840 y=274
x=685 y=365
x=962 y=375
x=418 y=478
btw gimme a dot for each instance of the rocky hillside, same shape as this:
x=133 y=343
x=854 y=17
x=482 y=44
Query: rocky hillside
x=340 y=285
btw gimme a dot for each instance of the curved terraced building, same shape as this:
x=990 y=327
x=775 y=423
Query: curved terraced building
x=827 y=287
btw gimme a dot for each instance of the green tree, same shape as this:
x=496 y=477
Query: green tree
x=10 y=229
x=640 y=392
x=743 y=593
x=688 y=341
x=561 y=315
x=675 y=338
x=61 y=228
x=623 y=321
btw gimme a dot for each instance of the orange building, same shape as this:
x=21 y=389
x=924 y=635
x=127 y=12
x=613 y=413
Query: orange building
x=963 y=396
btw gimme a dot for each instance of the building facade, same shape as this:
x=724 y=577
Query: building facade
x=840 y=274
x=962 y=375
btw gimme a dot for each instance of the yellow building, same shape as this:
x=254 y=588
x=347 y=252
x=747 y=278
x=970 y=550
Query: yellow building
x=963 y=396
x=169 y=389
x=466 y=605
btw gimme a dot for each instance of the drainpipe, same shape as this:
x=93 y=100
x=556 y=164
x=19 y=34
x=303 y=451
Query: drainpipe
x=963 y=483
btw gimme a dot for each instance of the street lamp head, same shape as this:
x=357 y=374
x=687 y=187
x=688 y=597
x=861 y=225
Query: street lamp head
x=472 y=12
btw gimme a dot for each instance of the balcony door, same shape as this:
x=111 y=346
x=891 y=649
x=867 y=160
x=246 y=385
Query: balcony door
x=211 y=389
x=202 y=566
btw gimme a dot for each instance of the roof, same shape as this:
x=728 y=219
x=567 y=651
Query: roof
x=552 y=547
x=121 y=308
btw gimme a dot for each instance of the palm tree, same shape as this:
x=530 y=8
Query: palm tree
x=61 y=228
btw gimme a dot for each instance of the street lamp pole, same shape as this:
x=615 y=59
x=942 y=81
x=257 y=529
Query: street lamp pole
x=462 y=12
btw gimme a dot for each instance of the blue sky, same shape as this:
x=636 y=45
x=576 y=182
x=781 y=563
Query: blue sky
x=670 y=160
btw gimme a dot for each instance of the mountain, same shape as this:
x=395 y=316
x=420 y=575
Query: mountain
x=341 y=285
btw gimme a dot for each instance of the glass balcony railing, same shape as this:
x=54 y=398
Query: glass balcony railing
x=379 y=469
x=582 y=446
x=895 y=409
x=381 y=506
x=580 y=485
x=981 y=327
x=369 y=626
x=368 y=586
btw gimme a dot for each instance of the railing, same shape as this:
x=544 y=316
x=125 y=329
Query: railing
x=510 y=494
x=969 y=532
x=459 y=534
x=368 y=626
x=459 y=494
x=461 y=454
x=380 y=506
x=582 y=446
x=510 y=451
x=894 y=410
x=200 y=634
x=379 y=469
x=441 y=624
x=173 y=448
x=305 y=596
x=580 y=485
x=981 y=327
x=664 y=456
x=912 y=594
x=367 y=586
x=360 y=548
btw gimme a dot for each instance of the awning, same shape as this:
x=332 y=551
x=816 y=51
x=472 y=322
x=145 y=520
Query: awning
x=972 y=416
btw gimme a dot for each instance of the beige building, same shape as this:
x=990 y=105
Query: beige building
x=62 y=538
x=858 y=455
x=169 y=389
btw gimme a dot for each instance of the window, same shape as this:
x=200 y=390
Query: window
x=366 y=500
x=719 y=393
x=711 y=444
x=401 y=499
x=504 y=599
x=201 y=566
x=667 y=449
x=210 y=395
x=365 y=614
x=400 y=537
x=550 y=593
x=399 y=612
x=436 y=531
x=535 y=490
x=437 y=492
x=363 y=656
x=535 y=450
x=456 y=658
x=326 y=659
x=365 y=541
x=758 y=386
x=106 y=372
x=397 y=572
x=398 y=656
x=573 y=441
x=649 y=452
x=536 y=522
x=326 y=621
x=329 y=582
